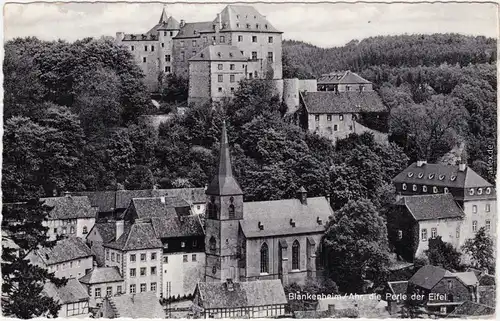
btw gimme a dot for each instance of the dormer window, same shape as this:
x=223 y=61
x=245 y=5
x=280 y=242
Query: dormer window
x=202 y=55
x=453 y=178
x=431 y=176
x=265 y=26
x=237 y=16
x=471 y=191
x=488 y=190
x=237 y=25
x=410 y=174
x=404 y=187
x=260 y=226
x=420 y=175
x=230 y=54
x=479 y=191
x=441 y=177
x=319 y=220
x=248 y=26
x=257 y=26
x=292 y=222
x=219 y=54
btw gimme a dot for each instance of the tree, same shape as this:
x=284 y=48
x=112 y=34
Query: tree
x=140 y=178
x=174 y=88
x=23 y=282
x=443 y=254
x=356 y=246
x=481 y=251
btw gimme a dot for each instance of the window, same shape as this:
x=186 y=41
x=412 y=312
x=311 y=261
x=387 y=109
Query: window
x=220 y=78
x=471 y=191
x=118 y=257
x=450 y=285
x=404 y=187
x=171 y=33
x=153 y=270
x=64 y=266
x=435 y=189
x=167 y=58
x=193 y=257
x=194 y=53
x=231 y=67
x=55 y=230
x=474 y=208
x=143 y=287
x=348 y=88
x=329 y=117
x=145 y=48
x=400 y=234
x=119 y=289
x=182 y=43
x=72 y=230
x=335 y=128
x=341 y=117
x=424 y=234
x=153 y=256
x=132 y=272
x=97 y=292
x=446 y=190
x=231 y=78
x=184 y=258
x=165 y=259
x=132 y=257
x=270 y=39
x=240 y=38
x=107 y=254
x=214 y=38
x=457 y=233
x=112 y=256
x=163 y=45
x=152 y=48
x=167 y=69
x=270 y=56
x=182 y=56
x=264 y=258
x=474 y=226
x=153 y=286
x=488 y=190
x=84 y=230
x=222 y=39
x=433 y=232
x=109 y=291
x=143 y=59
x=143 y=257
x=257 y=26
x=132 y=288
x=132 y=48
x=424 y=189
x=194 y=43
x=220 y=66
x=487 y=209
x=143 y=271
x=70 y=265
x=254 y=55
x=254 y=38
x=316 y=117
x=414 y=187
x=296 y=255
x=183 y=244
x=488 y=225
x=479 y=191
x=219 y=89
x=64 y=231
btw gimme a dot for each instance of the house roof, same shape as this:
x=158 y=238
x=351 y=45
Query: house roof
x=224 y=183
x=275 y=217
x=107 y=230
x=139 y=236
x=72 y=292
x=219 y=53
x=244 y=294
x=140 y=305
x=330 y=102
x=398 y=287
x=342 y=77
x=193 y=29
x=103 y=200
x=169 y=24
x=467 y=278
x=158 y=207
x=428 y=276
x=66 y=249
x=441 y=175
x=432 y=207
x=166 y=227
x=244 y=18
x=102 y=275
x=69 y=207
x=469 y=308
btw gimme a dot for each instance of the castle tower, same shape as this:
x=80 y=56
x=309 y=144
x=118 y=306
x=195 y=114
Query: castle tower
x=224 y=209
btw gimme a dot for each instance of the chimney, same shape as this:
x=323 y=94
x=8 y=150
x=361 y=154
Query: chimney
x=120 y=36
x=462 y=167
x=120 y=226
x=261 y=227
x=181 y=25
x=230 y=285
x=421 y=163
x=219 y=21
x=302 y=195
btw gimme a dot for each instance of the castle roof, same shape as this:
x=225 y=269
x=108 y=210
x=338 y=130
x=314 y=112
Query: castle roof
x=139 y=236
x=274 y=218
x=157 y=207
x=69 y=207
x=244 y=18
x=342 y=77
x=219 y=53
x=224 y=182
x=167 y=227
x=431 y=207
x=441 y=175
x=330 y=102
x=193 y=29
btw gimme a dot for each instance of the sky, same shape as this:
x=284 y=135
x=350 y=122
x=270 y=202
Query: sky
x=322 y=24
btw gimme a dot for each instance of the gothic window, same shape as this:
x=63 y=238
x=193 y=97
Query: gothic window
x=296 y=255
x=212 y=209
x=264 y=258
x=212 y=243
x=231 y=208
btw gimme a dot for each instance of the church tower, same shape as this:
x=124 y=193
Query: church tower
x=224 y=210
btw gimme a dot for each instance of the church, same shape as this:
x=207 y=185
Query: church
x=247 y=241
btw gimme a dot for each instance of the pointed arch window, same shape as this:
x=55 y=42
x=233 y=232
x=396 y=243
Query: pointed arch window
x=212 y=244
x=212 y=209
x=264 y=258
x=296 y=255
x=231 y=208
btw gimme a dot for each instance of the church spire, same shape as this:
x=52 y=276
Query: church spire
x=164 y=16
x=224 y=183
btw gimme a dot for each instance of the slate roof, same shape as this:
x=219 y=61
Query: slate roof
x=67 y=249
x=107 y=230
x=102 y=275
x=432 y=207
x=330 y=102
x=69 y=207
x=467 y=278
x=428 y=276
x=441 y=175
x=157 y=207
x=219 y=53
x=140 y=305
x=398 y=287
x=193 y=29
x=139 y=236
x=72 y=292
x=103 y=200
x=244 y=294
x=177 y=226
x=469 y=308
x=342 y=77
x=275 y=216
x=244 y=18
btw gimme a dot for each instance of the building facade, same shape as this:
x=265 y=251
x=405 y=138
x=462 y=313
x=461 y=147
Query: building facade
x=72 y=297
x=343 y=81
x=102 y=282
